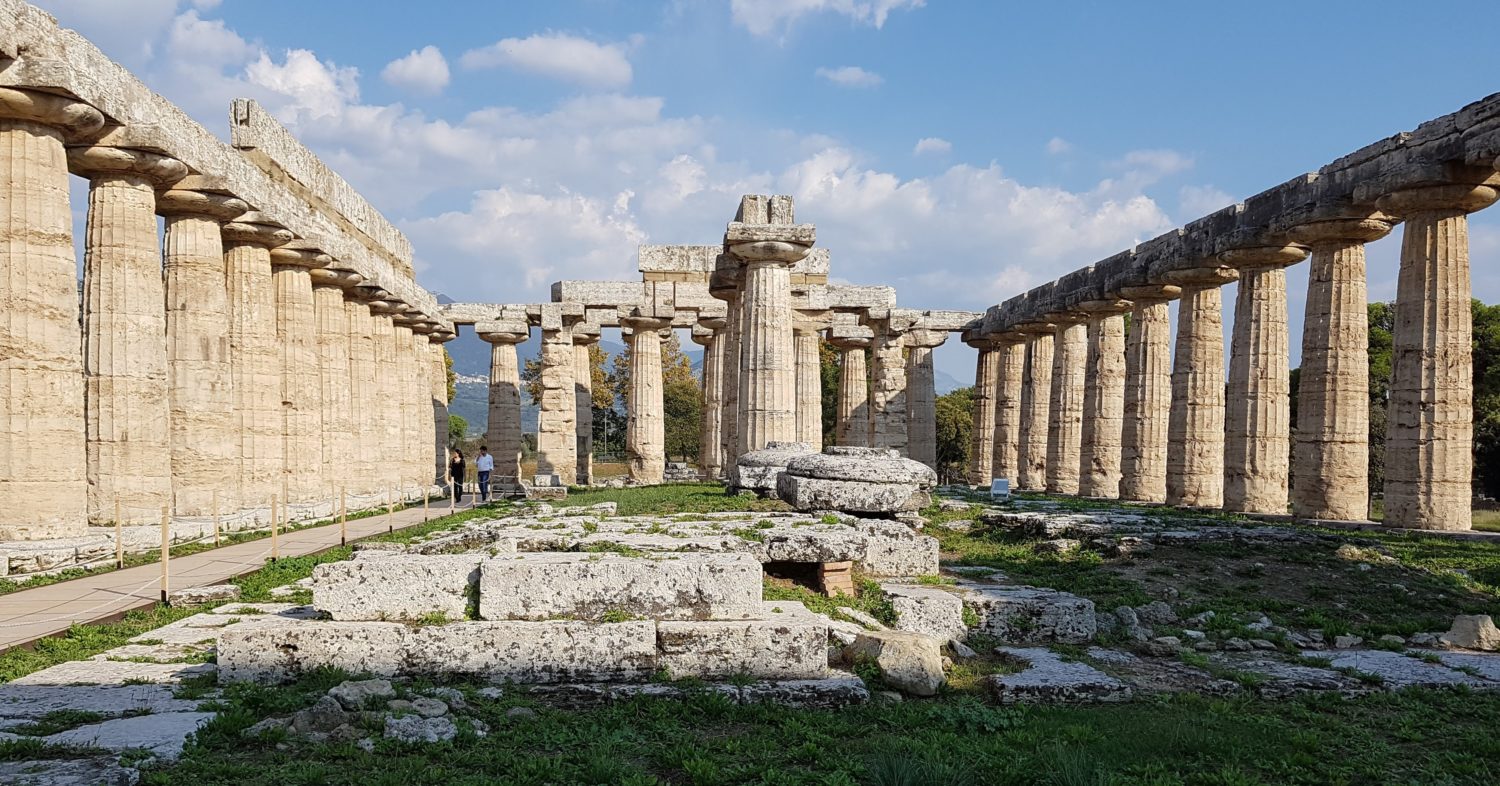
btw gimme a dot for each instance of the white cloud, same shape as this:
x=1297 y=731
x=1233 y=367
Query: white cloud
x=1158 y=163
x=424 y=71
x=766 y=17
x=1194 y=202
x=850 y=76
x=559 y=56
x=934 y=145
x=315 y=89
x=1057 y=146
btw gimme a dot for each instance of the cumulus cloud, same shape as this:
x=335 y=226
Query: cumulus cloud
x=933 y=145
x=424 y=72
x=1197 y=201
x=1057 y=146
x=850 y=76
x=767 y=17
x=558 y=56
x=1156 y=163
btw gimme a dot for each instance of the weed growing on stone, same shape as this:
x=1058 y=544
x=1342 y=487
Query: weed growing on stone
x=671 y=499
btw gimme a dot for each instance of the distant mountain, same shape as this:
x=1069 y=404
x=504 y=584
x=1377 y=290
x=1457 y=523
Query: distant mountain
x=944 y=382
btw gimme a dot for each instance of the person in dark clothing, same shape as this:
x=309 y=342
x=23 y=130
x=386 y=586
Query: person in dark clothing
x=457 y=471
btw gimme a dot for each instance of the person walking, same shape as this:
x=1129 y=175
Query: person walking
x=485 y=464
x=457 y=471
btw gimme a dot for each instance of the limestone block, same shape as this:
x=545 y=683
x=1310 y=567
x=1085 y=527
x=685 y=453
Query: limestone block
x=840 y=690
x=398 y=587
x=162 y=735
x=783 y=646
x=1048 y=679
x=808 y=545
x=850 y=495
x=586 y=586
x=870 y=465
x=1031 y=614
x=281 y=652
x=927 y=610
x=893 y=549
x=757 y=470
x=191 y=596
x=533 y=652
x=911 y=662
x=1473 y=632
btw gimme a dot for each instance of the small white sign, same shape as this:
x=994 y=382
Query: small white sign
x=1000 y=488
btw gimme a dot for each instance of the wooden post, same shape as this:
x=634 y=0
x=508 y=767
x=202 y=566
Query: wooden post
x=343 y=516
x=390 y=510
x=274 y=550
x=119 y=538
x=166 y=551
x=216 y=517
x=425 y=516
x=452 y=495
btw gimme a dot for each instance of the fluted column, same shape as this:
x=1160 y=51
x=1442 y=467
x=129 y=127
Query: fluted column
x=557 y=415
x=852 y=424
x=888 y=390
x=1006 y=462
x=584 y=338
x=1195 y=430
x=301 y=381
x=361 y=476
x=1036 y=396
x=1065 y=405
x=200 y=390
x=43 y=464
x=645 y=437
x=769 y=397
x=1257 y=422
x=1103 y=399
x=982 y=434
x=710 y=335
x=1429 y=443
x=406 y=389
x=337 y=452
x=1148 y=394
x=424 y=442
x=1331 y=477
x=503 y=434
x=730 y=398
x=921 y=424
x=386 y=417
x=438 y=361
x=809 y=385
x=255 y=361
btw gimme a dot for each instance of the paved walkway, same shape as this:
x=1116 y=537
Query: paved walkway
x=28 y=615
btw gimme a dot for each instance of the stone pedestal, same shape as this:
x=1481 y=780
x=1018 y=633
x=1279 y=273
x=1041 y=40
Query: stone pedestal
x=645 y=438
x=1065 y=406
x=124 y=328
x=1148 y=394
x=583 y=403
x=1429 y=443
x=1036 y=395
x=711 y=434
x=336 y=395
x=1332 y=457
x=204 y=442
x=503 y=435
x=809 y=386
x=921 y=424
x=982 y=437
x=1006 y=462
x=1257 y=428
x=301 y=380
x=888 y=384
x=557 y=415
x=1195 y=431
x=1103 y=400
x=853 y=425
x=42 y=448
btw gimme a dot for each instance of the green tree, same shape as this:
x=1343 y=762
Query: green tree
x=448 y=370
x=1486 y=399
x=1382 y=319
x=828 y=373
x=955 y=424
x=682 y=396
x=458 y=428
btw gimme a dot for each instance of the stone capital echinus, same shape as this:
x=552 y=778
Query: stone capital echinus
x=251 y=229
x=1457 y=197
x=74 y=118
x=96 y=161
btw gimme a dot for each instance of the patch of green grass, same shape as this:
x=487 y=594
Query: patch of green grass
x=670 y=499
x=613 y=548
x=28 y=749
x=57 y=721
x=868 y=597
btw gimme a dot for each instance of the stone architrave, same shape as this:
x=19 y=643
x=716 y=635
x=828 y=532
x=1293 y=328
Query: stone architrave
x=301 y=381
x=254 y=359
x=1331 y=461
x=336 y=392
x=1006 y=462
x=852 y=428
x=503 y=435
x=204 y=443
x=361 y=477
x=584 y=337
x=1148 y=394
x=124 y=329
x=888 y=396
x=43 y=471
x=1036 y=394
x=921 y=424
x=982 y=437
x=1065 y=405
x=1103 y=399
x=645 y=427
x=1429 y=462
x=809 y=385
x=1257 y=421
x=1195 y=431
x=711 y=434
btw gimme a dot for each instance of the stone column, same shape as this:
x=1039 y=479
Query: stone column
x=557 y=416
x=124 y=329
x=255 y=361
x=503 y=434
x=921 y=424
x=809 y=385
x=645 y=438
x=1036 y=395
x=200 y=392
x=730 y=398
x=982 y=435
x=1006 y=462
x=1429 y=443
x=1258 y=418
x=301 y=380
x=405 y=390
x=852 y=427
x=1195 y=431
x=709 y=334
x=888 y=403
x=1065 y=413
x=1103 y=399
x=1148 y=394
x=43 y=464
x=437 y=356
x=386 y=417
x=426 y=442
x=361 y=477
x=584 y=337
x=338 y=452
x=1332 y=456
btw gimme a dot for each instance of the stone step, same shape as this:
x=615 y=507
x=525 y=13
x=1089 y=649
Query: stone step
x=1024 y=614
x=794 y=647
x=386 y=586
x=583 y=586
x=536 y=652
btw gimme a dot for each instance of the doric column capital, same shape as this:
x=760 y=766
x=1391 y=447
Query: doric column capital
x=1263 y=256
x=253 y=229
x=441 y=336
x=926 y=339
x=95 y=161
x=714 y=324
x=1105 y=306
x=641 y=322
x=784 y=244
x=1455 y=197
x=1211 y=276
x=335 y=278
x=69 y=115
x=179 y=201
x=1152 y=292
x=1340 y=231
x=586 y=333
x=847 y=337
x=702 y=336
x=387 y=308
x=1035 y=328
x=298 y=254
x=498 y=332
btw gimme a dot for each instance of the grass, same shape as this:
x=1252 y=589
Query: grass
x=868 y=597
x=670 y=499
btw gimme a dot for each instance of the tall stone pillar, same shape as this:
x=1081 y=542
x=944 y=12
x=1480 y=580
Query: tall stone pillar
x=1258 y=419
x=386 y=417
x=730 y=398
x=1065 y=414
x=1332 y=456
x=645 y=437
x=888 y=387
x=1195 y=431
x=255 y=361
x=809 y=384
x=585 y=336
x=709 y=334
x=301 y=381
x=362 y=476
x=921 y=424
x=124 y=329
x=337 y=451
x=982 y=435
x=557 y=415
x=43 y=452
x=438 y=361
x=1148 y=394
x=200 y=392
x=1007 y=461
x=427 y=443
x=1103 y=399
x=503 y=435
x=1429 y=463
x=1036 y=396
x=852 y=426
x=405 y=389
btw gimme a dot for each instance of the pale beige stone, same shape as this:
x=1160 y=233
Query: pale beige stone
x=921 y=396
x=852 y=427
x=301 y=381
x=1103 y=401
x=1036 y=394
x=730 y=400
x=1065 y=406
x=768 y=395
x=645 y=437
x=411 y=436
x=888 y=395
x=1195 y=430
x=1148 y=395
x=809 y=386
x=982 y=437
x=711 y=436
x=360 y=478
x=336 y=395
x=557 y=416
x=1007 y=459
x=384 y=418
x=503 y=435
x=583 y=406
x=254 y=358
x=438 y=359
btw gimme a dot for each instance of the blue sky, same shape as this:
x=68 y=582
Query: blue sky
x=961 y=151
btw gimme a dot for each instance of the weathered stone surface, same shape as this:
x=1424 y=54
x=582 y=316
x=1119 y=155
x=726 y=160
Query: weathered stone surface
x=911 y=662
x=1195 y=436
x=275 y=653
x=1396 y=670
x=587 y=586
x=163 y=735
x=95 y=771
x=397 y=587
x=1036 y=391
x=28 y=702
x=356 y=694
x=1148 y=399
x=417 y=729
x=757 y=470
x=1048 y=679
x=829 y=693
x=1031 y=614
x=893 y=549
x=108 y=672
x=1065 y=415
x=849 y=495
x=869 y=465
x=191 y=596
x=1473 y=632
x=775 y=648
x=927 y=610
x=1486 y=666
x=532 y=652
